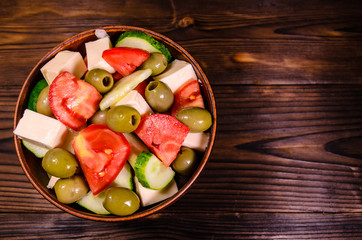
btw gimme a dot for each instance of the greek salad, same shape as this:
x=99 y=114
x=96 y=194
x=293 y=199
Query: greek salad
x=114 y=127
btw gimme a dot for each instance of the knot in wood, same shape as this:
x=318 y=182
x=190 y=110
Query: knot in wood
x=186 y=22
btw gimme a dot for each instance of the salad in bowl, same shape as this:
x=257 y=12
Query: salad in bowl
x=115 y=123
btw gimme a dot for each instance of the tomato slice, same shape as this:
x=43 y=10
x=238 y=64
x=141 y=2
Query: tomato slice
x=116 y=76
x=125 y=59
x=163 y=135
x=72 y=100
x=141 y=87
x=102 y=153
x=188 y=96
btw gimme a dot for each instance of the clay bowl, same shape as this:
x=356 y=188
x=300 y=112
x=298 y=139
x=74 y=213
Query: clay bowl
x=32 y=165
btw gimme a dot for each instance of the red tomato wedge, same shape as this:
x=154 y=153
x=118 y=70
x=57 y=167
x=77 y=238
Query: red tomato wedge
x=102 y=154
x=141 y=87
x=189 y=95
x=124 y=59
x=163 y=135
x=116 y=76
x=72 y=100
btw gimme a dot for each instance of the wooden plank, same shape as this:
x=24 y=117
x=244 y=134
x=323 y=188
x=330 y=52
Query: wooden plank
x=286 y=78
x=282 y=149
x=187 y=226
x=243 y=46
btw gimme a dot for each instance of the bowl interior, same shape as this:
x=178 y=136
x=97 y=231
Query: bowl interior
x=32 y=165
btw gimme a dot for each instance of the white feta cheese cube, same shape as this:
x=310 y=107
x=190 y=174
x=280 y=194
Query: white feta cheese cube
x=94 y=51
x=134 y=99
x=177 y=74
x=67 y=145
x=196 y=140
x=41 y=129
x=137 y=146
x=52 y=181
x=150 y=196
x=64 y=61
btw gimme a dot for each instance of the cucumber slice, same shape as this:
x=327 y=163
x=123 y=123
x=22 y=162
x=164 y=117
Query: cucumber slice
x=94 y=203
x=124 y=178
x=34 y=94
x=137 y=39
x=151 y=172
x=38 y=150
x=123 y=87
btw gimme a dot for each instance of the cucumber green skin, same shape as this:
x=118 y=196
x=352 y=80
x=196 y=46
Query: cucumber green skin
x=34 y=94
x=38 y=151
x=140 y=167
x=156 y=44
x=140 y=170
x=94 y=203
x=131 y=184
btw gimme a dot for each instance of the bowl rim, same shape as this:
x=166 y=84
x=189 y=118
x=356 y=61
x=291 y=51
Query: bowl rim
x=158 y=206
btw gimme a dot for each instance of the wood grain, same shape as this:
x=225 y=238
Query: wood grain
x=292 y=161
x=287 y=80
x=188 y=226
x=266 y=49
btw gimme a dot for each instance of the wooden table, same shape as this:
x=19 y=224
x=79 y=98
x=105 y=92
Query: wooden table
x=286 y=75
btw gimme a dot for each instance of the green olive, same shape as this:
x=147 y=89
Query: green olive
x=121 y=201
x=159 y=96
x=123 y=119
x=69 y=190
x=185 y=162
x=59 y=163
x=42 y=104
x=100 y=79
x=197 y=119
x=157 y=62
x=99 y=117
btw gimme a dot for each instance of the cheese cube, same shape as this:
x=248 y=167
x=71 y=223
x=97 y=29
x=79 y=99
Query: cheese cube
x=67 y=145
x=137 y=146
x=52 y=181
x=177 y=74
x=41 y=129
x=94 y=51
x=150 y=196
x=196 y=140
x=134 y=99
x=64 y=61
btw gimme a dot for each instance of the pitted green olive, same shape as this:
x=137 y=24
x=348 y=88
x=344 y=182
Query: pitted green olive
x=100 y=79
x=159 y=96
x=123 y=119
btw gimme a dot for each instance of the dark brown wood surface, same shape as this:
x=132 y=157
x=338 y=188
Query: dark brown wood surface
x=287 y=79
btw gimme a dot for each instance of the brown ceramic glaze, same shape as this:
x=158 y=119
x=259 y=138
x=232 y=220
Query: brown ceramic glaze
x=31 y=165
